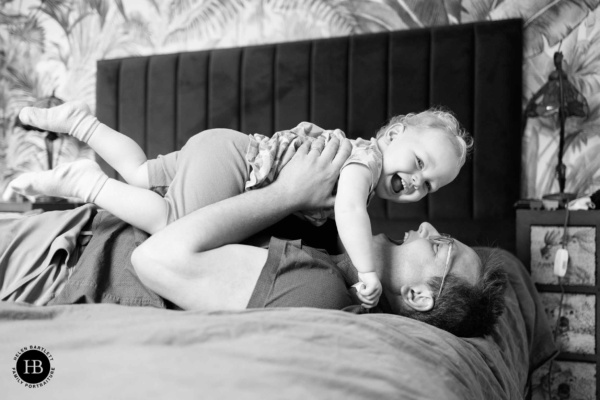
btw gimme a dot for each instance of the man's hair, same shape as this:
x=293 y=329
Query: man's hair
x=437 y=118
x=463 y=309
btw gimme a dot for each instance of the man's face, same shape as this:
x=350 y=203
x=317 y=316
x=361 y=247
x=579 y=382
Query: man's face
x=419 y=259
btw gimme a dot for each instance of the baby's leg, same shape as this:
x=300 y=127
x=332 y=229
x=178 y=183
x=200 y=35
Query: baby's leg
x=76 y=119
x=84 y=179
x=142 y=208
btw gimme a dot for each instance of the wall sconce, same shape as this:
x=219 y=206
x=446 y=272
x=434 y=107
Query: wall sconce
x=558 y=97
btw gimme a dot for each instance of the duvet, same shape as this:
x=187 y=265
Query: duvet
x=101 y=351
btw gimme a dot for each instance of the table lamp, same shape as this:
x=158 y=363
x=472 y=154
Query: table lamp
x=558 y=97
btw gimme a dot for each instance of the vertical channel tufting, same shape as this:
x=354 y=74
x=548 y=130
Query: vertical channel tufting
x=224 y=89
x=329 y=83
x=132 y=99
x=107 y=99
x=257 y=90
x=354 y=83
x=368 y=84
x=408 y=84
x=241 y=85
x=498 y=61
x=452 y=86
x=292 y=85
x=161 y=105
x=274 y=88
x=409 y=80
x=192 y=95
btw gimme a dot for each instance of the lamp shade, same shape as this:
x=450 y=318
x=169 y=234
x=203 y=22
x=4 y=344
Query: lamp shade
x=547 y=100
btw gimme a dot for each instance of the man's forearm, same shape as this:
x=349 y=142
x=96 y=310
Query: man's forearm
x=180 y=262
x=228 y=221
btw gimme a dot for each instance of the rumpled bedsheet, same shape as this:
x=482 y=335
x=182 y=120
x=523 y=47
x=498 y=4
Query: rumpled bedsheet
x=103 y=351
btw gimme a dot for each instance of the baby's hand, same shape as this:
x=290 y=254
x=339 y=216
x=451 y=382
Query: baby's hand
x=368 y=289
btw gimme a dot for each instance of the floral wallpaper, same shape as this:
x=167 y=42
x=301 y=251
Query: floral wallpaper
x=50 y=47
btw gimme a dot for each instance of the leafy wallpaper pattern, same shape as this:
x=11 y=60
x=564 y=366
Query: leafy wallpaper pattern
x=51 y=47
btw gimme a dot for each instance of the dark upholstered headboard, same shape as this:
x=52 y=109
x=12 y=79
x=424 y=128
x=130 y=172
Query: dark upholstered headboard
x=353 y=83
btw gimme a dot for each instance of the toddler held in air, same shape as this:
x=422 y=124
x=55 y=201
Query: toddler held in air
x=411 y=156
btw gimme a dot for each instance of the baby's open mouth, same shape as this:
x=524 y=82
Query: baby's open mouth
x=397 y=184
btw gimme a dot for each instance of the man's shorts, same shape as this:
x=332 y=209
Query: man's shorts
x=301 y=276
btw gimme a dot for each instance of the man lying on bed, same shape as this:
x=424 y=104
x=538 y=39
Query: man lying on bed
x=185 y=265
x=428 y=276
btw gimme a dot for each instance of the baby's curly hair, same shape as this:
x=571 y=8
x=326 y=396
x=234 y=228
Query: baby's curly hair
x=438 y=118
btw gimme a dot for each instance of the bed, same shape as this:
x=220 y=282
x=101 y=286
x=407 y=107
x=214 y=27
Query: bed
x=355 y=84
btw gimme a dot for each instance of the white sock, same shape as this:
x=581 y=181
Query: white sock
x=74 y=118
x=82 y=179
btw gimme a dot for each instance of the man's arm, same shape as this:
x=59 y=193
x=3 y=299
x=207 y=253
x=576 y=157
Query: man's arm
x=170 y=261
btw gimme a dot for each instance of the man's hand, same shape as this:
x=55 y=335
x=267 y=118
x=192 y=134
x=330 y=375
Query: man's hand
x=310 y=176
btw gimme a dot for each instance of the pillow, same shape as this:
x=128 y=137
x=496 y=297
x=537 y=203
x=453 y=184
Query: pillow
x=524 y=324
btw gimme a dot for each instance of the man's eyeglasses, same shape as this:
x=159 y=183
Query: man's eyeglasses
x=444 y=238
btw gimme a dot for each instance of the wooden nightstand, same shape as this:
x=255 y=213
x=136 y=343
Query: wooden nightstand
x=539 y=236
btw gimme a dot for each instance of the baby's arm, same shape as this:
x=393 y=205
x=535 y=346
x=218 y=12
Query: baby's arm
x=76 y=119
x=354 y=228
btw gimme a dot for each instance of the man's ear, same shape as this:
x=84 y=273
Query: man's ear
x=417 y=297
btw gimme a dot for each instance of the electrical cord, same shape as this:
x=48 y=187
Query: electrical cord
x=560 y=304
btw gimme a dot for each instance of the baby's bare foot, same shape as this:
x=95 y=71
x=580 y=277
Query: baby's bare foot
x=82 y=179
x=74 y=118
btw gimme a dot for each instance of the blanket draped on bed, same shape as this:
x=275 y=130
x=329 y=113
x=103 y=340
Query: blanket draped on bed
x=104 y=273
x=107 y=351
x=43 y=259
x=37 y=252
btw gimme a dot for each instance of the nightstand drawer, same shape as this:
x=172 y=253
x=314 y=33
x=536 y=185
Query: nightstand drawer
x=570 y=302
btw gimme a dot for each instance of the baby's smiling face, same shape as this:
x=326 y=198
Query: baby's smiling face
x=416 y=162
